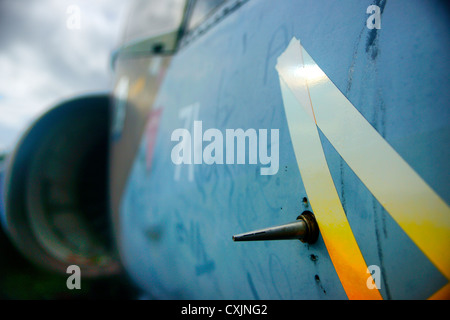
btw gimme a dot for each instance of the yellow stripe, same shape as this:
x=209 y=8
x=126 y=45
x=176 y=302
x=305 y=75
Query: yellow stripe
x=338 y=237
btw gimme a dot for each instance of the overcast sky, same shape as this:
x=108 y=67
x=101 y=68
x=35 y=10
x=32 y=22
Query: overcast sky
x=48 y=54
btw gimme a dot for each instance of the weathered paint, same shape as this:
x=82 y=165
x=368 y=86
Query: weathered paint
x=388 y=177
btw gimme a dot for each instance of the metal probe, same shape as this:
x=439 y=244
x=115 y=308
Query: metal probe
x=304 y=228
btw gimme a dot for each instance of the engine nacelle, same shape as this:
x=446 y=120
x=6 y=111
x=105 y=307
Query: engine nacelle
x=55 y=189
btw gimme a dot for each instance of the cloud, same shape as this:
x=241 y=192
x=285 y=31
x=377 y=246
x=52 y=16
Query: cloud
x=43 y=61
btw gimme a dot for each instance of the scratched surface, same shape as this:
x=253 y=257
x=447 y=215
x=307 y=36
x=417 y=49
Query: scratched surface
x=176 y=234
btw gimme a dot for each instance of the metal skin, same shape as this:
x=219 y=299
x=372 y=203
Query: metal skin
x=174 y=230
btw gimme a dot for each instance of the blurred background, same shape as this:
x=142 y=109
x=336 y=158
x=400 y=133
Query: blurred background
x=51 y=50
